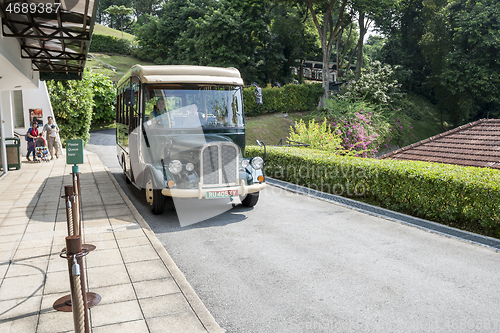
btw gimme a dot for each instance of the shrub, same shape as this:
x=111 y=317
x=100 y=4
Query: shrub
x=72 y=103
x=110 y=44
x=361 y=128
x=378 y=86
x=463 y=197
x=289 y=98
x=104 y=98
x=319 y=136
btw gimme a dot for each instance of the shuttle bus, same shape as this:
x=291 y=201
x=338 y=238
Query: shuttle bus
x=180 y=132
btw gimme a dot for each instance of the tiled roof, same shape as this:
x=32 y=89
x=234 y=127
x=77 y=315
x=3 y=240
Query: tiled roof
x=475 y=144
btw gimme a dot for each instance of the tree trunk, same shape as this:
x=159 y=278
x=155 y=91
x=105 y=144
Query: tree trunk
x=362 y=32
x=327 y=52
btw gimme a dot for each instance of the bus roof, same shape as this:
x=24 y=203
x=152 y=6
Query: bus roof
x=184 y=74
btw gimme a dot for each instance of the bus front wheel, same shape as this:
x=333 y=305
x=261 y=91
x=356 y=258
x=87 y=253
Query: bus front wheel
x=154 y=198
x=250 y=199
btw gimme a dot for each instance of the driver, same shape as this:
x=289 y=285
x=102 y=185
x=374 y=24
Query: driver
x=160 y=110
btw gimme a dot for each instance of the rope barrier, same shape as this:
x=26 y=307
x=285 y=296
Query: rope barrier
x=77 y=302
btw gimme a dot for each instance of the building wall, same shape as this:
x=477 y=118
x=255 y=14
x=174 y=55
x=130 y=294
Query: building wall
x=34 y=99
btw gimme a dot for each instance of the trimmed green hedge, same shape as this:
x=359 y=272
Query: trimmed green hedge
x=110 y=44
x=289 y=98
x=462 y=197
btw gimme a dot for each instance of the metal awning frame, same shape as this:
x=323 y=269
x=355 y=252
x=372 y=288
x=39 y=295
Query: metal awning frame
x=57 y=42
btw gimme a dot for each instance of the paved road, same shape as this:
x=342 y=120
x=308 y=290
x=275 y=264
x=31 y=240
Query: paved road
x=298 y=264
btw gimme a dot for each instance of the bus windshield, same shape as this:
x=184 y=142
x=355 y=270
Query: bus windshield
x=182 y=106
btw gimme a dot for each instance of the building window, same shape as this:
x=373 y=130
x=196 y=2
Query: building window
x=17 y=97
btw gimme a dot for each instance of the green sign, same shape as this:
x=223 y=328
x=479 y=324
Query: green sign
x=74 y=151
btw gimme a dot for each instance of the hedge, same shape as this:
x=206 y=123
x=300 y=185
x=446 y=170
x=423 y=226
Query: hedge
x=463 y=197
x=289 y=98
x=110 y=44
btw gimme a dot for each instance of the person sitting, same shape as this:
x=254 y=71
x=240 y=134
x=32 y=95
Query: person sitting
x=160 y=113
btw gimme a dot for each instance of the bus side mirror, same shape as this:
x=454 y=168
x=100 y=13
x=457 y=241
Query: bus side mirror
x=129 y=97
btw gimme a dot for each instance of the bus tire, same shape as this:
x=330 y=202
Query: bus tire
x=250 y=199
x=154 y=198
x=124 y=168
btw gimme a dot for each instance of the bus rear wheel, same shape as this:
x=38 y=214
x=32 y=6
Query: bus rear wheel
x=250 y=199
x=154 y=198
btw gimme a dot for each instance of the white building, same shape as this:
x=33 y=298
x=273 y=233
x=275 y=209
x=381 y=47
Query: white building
x=34 y=47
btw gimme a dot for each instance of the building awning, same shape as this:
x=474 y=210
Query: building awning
x=54 y=34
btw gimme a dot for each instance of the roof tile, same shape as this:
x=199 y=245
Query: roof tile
x=475 y=144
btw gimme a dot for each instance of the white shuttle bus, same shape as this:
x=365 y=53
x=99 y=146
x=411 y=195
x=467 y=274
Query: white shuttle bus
x=181 y=133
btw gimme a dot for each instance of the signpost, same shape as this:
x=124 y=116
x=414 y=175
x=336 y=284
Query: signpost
x=74 y=153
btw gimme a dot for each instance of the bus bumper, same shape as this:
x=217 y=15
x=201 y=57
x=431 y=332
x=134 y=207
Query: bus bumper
x=200 y=192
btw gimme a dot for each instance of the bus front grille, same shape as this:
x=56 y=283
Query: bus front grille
x=219 y=164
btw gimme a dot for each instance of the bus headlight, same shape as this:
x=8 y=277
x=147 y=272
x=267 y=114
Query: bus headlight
x=257 y=163
x=190 y=167
x=244 y=163
x=175 y=167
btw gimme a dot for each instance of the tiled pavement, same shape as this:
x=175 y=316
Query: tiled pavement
x=142 y=289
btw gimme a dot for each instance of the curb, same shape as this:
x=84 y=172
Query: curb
x=194 y=301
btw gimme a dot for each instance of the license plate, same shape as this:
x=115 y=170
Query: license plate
x=222 y=194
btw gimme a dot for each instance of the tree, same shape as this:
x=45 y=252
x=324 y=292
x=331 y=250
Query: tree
x=369 y=12
x=230 y=33
x=102 y=16
x=471 y=70
x=157 y=38
x=121 y=12
x=329 y=17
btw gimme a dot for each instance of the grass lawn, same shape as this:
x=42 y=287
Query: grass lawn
x=103 y=30
x=102 y=126
x=120 y=62
x=429 y=122
x=269 y=128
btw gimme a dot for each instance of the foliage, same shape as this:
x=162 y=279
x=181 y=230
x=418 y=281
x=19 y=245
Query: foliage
x=378 y=85
x=120 y=13
x=450 y=49
x=359 y=133
x=104 y=93
x=319 y=136
x=72 y=103
x=361 y=128
x=373 y=47
x=289 y=98
x=330 y=18
x=462 y=197
x=109 y=44
x=474 y=27
x=212 y=33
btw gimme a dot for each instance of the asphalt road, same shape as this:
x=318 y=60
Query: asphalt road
x=298 y=264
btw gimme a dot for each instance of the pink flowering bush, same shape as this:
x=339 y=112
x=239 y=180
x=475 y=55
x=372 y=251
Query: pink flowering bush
x=362 y=133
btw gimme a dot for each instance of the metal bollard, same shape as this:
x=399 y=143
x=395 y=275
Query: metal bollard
x=78 y=200
x=74 y=230
x=68 y=196
x=74 y=254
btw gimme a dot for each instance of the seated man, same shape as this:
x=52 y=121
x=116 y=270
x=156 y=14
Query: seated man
x=160 y=114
